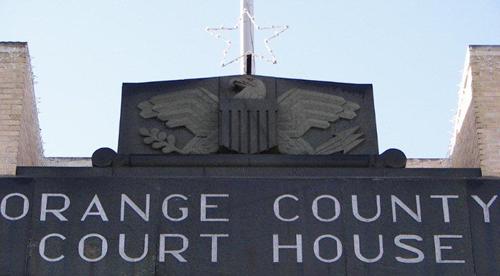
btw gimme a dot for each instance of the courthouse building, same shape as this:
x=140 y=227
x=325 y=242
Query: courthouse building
x=250 y=175
x=475 y=142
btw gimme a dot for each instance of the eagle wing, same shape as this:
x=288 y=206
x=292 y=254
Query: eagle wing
x=300 y=110
x=194 y=109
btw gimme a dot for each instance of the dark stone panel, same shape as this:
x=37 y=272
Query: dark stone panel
x=301 y=172
x=235 y=171
x=63 y=171
x=432 y=224
x=81 y=192
x=486 y=235
x=250 y=160
x=179 y=172
x=15 y=234
x=248 y=248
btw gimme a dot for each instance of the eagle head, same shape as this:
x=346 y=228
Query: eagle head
x=248 y=87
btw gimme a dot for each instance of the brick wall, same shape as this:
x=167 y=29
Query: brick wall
x=476 y=141
x=20 y=143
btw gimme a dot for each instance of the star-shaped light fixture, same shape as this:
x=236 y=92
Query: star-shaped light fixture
x=246 y=24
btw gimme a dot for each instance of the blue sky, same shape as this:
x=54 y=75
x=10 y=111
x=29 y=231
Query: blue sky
x=412 y=51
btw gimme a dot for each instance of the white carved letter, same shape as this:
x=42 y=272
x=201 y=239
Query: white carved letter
x=100 y=211
x=398 y=243
x=214 y=246
x=104 y=247
x=316 y=248
x=3 y=206
x=355 y=209
x=184 y=210
x=357 y=250
x=486 y=207
x=121 y=249
x=336 y=205
x=446 y=208
x=176 y=253
x=277 y=247
x=143 y=214
x=41 y=248
x=276 y=207
x=396 y=201
x=438 y=247
x=204 y=206
x=56 y=212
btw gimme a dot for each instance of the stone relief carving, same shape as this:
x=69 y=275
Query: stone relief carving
x=193 y=109
x=247 y=117
x=300 y=110
x=260 y=124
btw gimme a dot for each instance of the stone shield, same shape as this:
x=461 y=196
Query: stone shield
x=248 y=125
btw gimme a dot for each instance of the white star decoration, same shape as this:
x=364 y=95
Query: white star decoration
x=270 y=57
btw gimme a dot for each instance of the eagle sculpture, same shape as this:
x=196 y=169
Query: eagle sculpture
x=256 y=122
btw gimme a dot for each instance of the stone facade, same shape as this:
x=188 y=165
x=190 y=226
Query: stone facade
x=476 y=140
x=67 y=162
x=20 y=143
x=428 y=163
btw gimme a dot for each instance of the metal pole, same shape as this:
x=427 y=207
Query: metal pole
x=247 y=62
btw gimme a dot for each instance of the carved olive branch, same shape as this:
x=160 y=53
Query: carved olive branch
x=159 y=140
